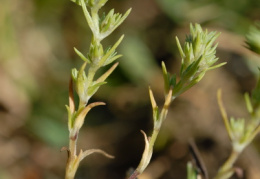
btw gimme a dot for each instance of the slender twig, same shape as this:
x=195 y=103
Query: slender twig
x=224 y=113
x=227 y=170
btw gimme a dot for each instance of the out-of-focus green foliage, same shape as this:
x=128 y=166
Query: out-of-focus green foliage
x=142 y=61
x=231 y=14
x=253 y=38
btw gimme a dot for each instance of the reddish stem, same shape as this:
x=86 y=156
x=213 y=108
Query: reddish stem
x=134 y=175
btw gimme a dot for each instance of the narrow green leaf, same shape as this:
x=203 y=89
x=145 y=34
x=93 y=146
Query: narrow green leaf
x=111 y=51
x=74 y=74
x=110 y=60
x=166 y=78
x=180 y=48
x=217 y=66
x=248 y=103
x=224 y=115
x=81 y=56
x=173 y=80
x=156 y=114
x=81 y=83
x=69 y=117
x=153 y=102
x=93 y=89
x=107 y=73
x=81 y=74
x=88 y=17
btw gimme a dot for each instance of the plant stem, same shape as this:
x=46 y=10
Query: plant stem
x=227 y=169
x=95 y=18
x=149 y=142
x=134 y=175
x=72 y=164
x=73 y=147
x=147 y=155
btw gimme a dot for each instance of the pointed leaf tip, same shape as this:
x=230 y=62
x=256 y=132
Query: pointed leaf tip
x=153 y=102
x=81 y=55
x=107 y=73
x=91 y=151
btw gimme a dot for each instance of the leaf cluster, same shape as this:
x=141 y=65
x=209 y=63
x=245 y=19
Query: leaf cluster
x=198 y=57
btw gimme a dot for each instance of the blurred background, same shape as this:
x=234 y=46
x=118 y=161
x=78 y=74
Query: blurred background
x=36 y=57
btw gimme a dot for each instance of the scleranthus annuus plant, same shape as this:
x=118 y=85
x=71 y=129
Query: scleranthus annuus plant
x=84 y=81
x=241 y=131
x=198 y=57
